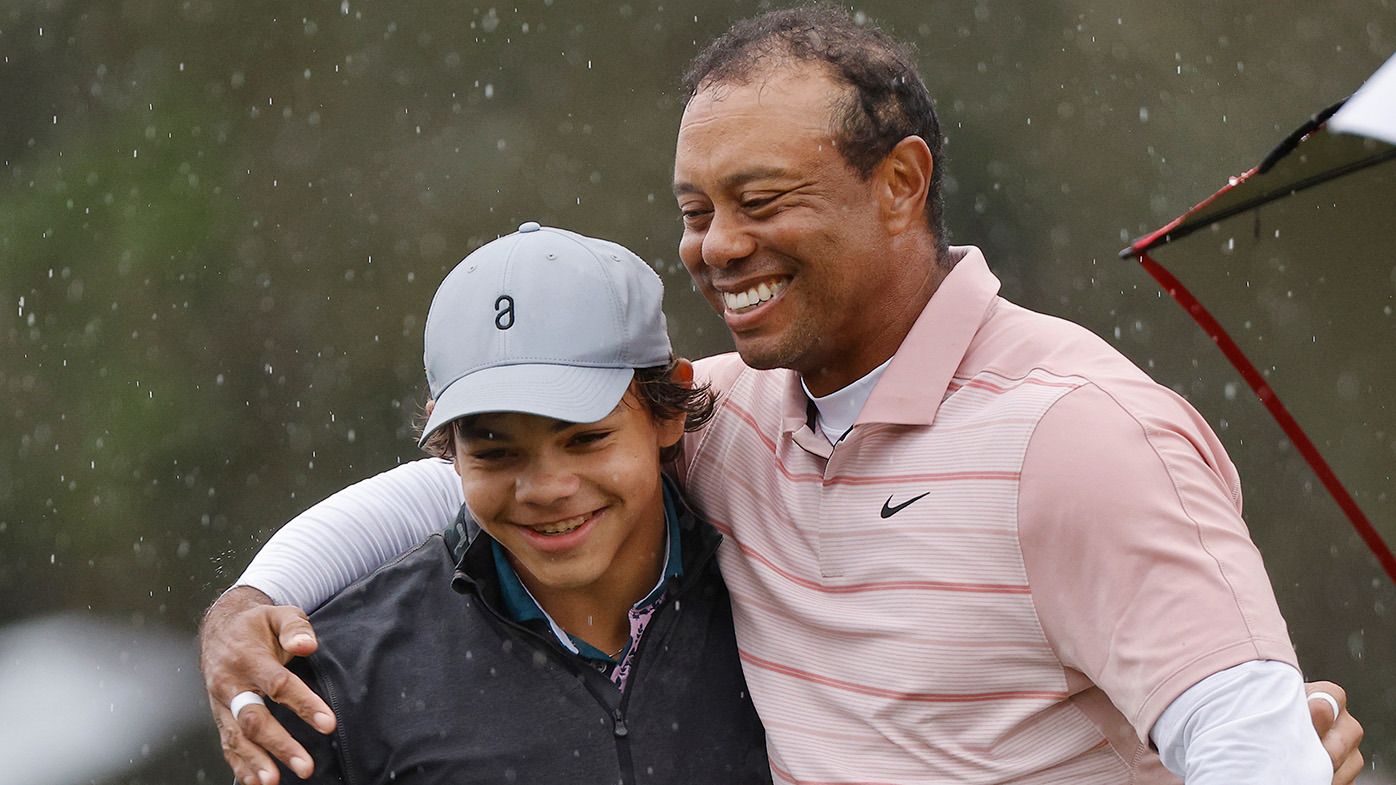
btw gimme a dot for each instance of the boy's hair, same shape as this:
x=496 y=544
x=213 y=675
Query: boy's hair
x=663 y=397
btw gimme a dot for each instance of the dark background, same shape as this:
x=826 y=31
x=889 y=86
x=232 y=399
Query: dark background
x=221 y=225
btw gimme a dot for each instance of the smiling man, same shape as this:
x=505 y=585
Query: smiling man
x=965 y=542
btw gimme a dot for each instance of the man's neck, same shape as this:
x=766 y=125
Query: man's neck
x=890 y=326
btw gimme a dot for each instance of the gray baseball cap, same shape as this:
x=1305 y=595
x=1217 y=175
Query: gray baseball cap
x=543 y=321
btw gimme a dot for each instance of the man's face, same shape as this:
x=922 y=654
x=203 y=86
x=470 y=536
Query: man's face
x=781 y=236
x=578 y=506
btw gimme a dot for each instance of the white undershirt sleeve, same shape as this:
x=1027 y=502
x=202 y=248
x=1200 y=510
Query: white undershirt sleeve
x=1246 y=724
x=354 y=532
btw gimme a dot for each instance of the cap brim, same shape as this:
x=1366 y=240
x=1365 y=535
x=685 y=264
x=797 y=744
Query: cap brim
x=562 y=392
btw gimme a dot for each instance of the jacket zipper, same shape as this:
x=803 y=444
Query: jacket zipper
x=627 y=763
x=347 y=770
x=618 y=726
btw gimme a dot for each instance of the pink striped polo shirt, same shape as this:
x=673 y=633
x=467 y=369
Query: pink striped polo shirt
x=1019 y=555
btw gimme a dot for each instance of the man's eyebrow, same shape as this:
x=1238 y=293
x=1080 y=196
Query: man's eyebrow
x=735 y=179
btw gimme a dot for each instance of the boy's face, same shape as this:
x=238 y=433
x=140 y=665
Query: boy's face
x=578 y=506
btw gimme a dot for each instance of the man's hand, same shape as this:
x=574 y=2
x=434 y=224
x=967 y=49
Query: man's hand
x=1340 y=734
x=245 y=642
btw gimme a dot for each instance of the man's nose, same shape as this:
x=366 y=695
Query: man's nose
x=727 y=240
x=545 y=480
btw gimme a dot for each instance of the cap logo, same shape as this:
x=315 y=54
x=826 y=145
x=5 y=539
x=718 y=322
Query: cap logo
x=504 y=312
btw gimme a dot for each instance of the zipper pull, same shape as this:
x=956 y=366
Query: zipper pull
x=620 y=730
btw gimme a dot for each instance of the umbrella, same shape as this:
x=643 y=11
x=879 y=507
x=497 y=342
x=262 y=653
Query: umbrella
x=1299 y=253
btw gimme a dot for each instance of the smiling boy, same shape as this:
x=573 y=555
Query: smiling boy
x=572 y=624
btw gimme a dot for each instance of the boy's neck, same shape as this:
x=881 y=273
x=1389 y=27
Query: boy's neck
x=600 y=614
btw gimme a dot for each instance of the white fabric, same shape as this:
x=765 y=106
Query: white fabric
x=1249 y=723
x=1246 y=724
x=839 y=409
x=354 y=532
x=242 y=700
x=1372 y=109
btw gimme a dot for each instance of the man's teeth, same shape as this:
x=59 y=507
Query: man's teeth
x=736 y=301
x=560 y=527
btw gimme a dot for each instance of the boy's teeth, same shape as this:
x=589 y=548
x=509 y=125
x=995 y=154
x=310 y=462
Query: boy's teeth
x=561 y=527
x=736 y=301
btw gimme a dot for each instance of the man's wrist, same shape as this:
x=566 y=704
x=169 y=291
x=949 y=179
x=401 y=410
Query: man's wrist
x=233 y=601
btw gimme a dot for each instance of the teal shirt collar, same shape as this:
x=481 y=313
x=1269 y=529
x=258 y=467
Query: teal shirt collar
x=520 y=606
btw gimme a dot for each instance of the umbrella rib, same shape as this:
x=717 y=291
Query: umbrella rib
x=1267 y=396
x=1185 y=229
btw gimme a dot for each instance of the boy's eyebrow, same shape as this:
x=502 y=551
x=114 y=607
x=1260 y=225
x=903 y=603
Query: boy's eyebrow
x=486 y=433
x=483 y=433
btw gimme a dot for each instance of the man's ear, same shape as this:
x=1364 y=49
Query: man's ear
x=904 y=181
x=430 y=407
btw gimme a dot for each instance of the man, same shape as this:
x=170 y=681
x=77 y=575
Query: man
x=965 y=542
x=589 y=635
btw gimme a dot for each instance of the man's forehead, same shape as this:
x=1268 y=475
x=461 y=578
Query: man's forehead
x=766 y=90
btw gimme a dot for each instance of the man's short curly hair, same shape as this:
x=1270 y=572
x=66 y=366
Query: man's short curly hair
x=887 y=101
x=656 y=388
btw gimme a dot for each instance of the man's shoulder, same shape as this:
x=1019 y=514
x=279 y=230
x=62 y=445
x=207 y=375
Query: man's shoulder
x=719 y=371
x=1015 y=341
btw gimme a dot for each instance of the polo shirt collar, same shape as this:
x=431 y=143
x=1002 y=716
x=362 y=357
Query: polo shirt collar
x=912 y=387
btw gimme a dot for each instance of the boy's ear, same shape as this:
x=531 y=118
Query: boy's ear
x=683 y=373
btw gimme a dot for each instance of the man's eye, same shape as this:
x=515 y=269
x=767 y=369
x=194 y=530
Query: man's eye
x=757 y=202
x=691 y=216
x=488 y=456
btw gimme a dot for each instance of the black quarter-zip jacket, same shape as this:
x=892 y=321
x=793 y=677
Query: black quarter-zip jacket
x=431 y=683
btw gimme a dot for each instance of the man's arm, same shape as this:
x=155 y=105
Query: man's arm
x=1146 y=581
x=354 y=532
x=244 y=644
x=245 y=639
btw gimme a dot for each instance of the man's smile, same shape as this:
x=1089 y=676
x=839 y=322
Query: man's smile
x=754 y=295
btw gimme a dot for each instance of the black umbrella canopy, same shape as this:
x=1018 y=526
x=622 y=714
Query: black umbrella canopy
x=1291 y=269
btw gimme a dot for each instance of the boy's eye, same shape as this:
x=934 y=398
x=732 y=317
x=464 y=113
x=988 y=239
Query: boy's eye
x=487 y=455
x=590 y=437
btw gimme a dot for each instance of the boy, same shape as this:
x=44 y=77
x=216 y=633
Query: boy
x=572 y=624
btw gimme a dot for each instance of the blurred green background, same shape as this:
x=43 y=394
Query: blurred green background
x=221 y=226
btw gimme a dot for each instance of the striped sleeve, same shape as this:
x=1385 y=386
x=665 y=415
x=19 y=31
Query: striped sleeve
x=1142 y=571
x=354 y=532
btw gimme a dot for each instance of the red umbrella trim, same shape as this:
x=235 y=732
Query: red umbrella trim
x=1267 y=396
